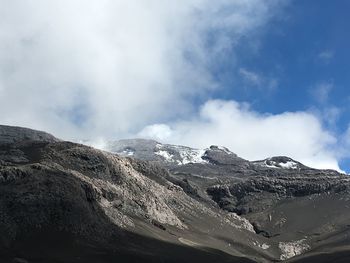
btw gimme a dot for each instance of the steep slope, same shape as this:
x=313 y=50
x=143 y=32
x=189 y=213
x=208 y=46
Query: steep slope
x=296 y=207
x=66 y=202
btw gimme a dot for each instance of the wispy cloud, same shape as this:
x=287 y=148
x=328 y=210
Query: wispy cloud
x=331 y=115
x=326 y=55
x=258 y=80
x=250 y=76
x=321 y=91
x=325 y=109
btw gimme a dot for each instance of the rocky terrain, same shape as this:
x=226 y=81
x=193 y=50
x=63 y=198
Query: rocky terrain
x=300 y=210
x=142 y=201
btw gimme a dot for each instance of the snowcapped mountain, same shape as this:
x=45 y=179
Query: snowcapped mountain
x=280 y=162
x=154 y=151
x=172 y=156
x=143 y=201
x=151 y=150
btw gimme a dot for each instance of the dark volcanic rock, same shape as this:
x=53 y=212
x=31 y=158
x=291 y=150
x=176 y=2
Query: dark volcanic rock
x=11 y=134
x=291 y=204
x=221 y=156
x=66 y=202
x=259 y=193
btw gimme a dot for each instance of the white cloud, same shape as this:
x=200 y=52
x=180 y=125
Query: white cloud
x=161 y=132
x=346 y=144
x=252 y=135
x=331 y=115
x=85 y=69
x=322 y=91
x=343 y=149
x=251 y=76
x=81 y=68
x=325 y=110
x=347 y=136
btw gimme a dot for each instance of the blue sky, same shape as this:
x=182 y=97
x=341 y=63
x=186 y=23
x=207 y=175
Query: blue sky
x=305 y=47
x=261 y=77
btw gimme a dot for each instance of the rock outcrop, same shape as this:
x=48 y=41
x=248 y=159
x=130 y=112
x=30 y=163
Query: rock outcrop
x=145 y=201
x=284 y=200
x=67 y=202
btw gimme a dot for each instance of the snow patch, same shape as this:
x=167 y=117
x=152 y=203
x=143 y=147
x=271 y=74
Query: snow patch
x=167 y=156
x=126 y=153
x=277 y=165
x=191 y=156
x=224 y=149
x=270 y=165
x=179 y=154
x=158 y=145
x=289 y=165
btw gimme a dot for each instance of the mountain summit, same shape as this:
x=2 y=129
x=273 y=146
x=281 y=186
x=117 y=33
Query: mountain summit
x=143 y=201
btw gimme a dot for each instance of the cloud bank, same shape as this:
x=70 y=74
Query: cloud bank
x=110 y=69
x=252 y=135
x=107 y=67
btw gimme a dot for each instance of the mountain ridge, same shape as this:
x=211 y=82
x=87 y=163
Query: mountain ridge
x=146 y=148
x=106 y=206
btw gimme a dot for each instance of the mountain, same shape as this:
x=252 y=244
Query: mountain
x=143 y=201
x=11 y=134
x=295 y=207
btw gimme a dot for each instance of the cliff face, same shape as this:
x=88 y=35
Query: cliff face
x=67 y=202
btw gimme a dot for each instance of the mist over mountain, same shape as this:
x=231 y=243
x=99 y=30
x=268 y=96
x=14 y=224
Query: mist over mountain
x=152 y=202
x=196 y=73
x=174 y=131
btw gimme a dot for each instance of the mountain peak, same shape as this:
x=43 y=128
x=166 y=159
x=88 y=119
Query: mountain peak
x=283 y=162
x=221 y=149
x=270 y=209
x=152 y=150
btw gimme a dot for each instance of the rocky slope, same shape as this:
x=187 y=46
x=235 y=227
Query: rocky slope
x=66 y=202
x=298 y=209
x=142 y=201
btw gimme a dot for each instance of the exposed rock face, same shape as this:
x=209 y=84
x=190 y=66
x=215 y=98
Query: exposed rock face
x=292 y=249
x=66 y=202
x=151 y=150
x=282 y=199
x=79 y=202
x=259 y=193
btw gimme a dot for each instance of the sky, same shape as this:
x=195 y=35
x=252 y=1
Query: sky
x=263 y=78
